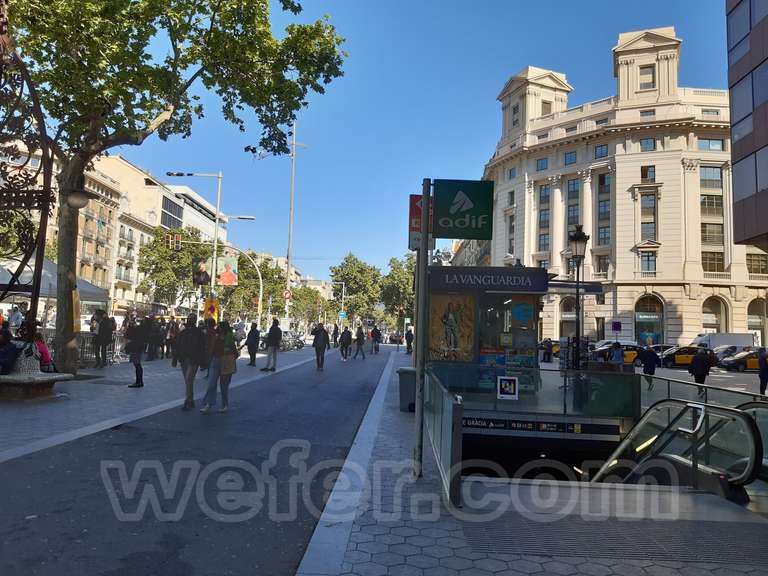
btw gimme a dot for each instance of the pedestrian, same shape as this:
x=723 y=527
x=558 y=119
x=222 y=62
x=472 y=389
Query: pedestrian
x=274 y=338
x=616 y=357
x=409 y=341
x=210 y=337
x=252 y=342
x=171 y=333
x=189 y=349
x=359 y=342
x=223 y=365
x=160 y=335
x=375 y=339
x=137 y=335
x=335 y=335
x=8 y=352
x=239 y=332
x=650 y=361
x=345 y=342
x=547 y=345
x=104 y=333
x=762 y=364
x=320 y=343
x=699 y=368
x=16 y=318
x=46 y=362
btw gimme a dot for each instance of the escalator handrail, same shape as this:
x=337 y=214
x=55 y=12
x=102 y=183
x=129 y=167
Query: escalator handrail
x=747 y=477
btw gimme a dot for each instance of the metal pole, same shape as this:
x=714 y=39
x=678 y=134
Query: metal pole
x=421 y=334
x=290 y=220
x=216 y=232
x=577 y=352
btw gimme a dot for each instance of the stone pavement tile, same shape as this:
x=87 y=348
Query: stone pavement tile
x=390 y=539
x=526 y=566
x=659 y=570
x=628 y=570
x=558 y=567
x=476 y=572
x=405 y=549
x=437 y=551
x=370 y=569
x=422 y=561
x=456 y=563
x=372 y=547
x=357 y=557
x=491 y=565
x=406 y=570
x=388 y=559
x=594 y=569
x=694 y=571
x=441 y=571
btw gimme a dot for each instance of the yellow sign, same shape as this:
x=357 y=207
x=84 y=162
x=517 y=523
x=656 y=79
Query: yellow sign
x=211 y=309
x=75 y=310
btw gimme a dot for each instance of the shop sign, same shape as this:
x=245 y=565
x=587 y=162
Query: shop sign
x=491 y=279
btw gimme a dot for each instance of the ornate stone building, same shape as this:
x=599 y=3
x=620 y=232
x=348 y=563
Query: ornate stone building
x=647 y=173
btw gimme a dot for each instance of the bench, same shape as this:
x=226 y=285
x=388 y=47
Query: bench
x=22 y=382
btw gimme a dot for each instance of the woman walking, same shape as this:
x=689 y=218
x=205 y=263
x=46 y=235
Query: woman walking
x=137 y=334
x=252 y=343
x=223 y=365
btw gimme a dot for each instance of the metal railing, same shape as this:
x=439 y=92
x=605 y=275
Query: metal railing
x=717 y=275
x=758 y=277
x=86 y=347
x=646 y=274
x=600 y=275
x=126 y=235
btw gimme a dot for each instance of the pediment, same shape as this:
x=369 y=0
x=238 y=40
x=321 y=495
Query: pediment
x=645 y=39
x=533 y=75
x=646 y=245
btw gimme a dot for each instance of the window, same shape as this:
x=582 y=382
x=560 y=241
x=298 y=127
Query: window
x=711 y=205
x=761 y=160
x=573 y=214
x=757 y=263
x=738 y=23
x=542 y=164
x=711 y=177
x=711 y=233
x=741 y=99
x=759 y=11
x=570 y=158
x=573 y=189
x=647 y=113
x=603 y=235
x=744 y=178
x=647 y=174
x=647 y=144
x=711 y=144
x=712 y=261
x=544 y=194
x=604 y=210
x=546 y=108
x=601 y=264
x=648 y=261
x=544 y=264
x=648 y=205
x=711 y=112
x=173 y=208
x=512 y=173
x=760 y=83
x=543 y=218
x=647 y=77
x=543 y=136
x=601 y=121
x=511 y=234
x=739 y=51
x=169 y=221
x=648 y=231
x=511 y=198
x=570 y=129
x=543 y=242
x=601 y=151
x=741 y=129
x=604 y=184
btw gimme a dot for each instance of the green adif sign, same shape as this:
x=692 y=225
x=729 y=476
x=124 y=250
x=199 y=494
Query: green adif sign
x=463 y=209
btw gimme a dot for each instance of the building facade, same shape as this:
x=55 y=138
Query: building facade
x=647 y=173
x=127 y=294
x=748 y=83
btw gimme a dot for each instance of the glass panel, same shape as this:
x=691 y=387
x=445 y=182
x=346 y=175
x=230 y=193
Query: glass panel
x=738 y=23
x=759 y=11
x=741 y=99
x=761 y=162
x=739 y=51
x=744 y=180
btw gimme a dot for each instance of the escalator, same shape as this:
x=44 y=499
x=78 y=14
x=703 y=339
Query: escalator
x=702 y=446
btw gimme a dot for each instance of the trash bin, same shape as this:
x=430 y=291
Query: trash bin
x=407 y=376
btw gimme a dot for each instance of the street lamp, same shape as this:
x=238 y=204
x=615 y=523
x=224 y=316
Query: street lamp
x=578 y=244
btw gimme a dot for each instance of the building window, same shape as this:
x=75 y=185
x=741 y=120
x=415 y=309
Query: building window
x=647 y=174
x=757 y=263
x=543 y=242
x=544 y=194
x=648 y=205
x=601 y=264
x=601 y=151
x=573 y=214
x=647 y=77
x=543 y=218
x=512 y=173
x=647 y=113
x=760 y=83
x=604 y=210
x=738 y=23
x=712 y=262
x=741 y=99
x=169 y=221
x=761 y=162
x=511 y=234
x=711 y=112
x=647 y=144
x=604 y=184
x=570 y=129
x=711 y=205
x=573 y=189
x=744 y=178
x=542 y=164
x=648 y=231
x=543 y=136
x=711 y=233
x=570 y=158
x=544 y=264
x=711 y=144
x=759 y=11
x=172 y=214
x=511 y=198
x=648 y=261
x=546 y=108
x=711 y=177
x=601 y=121
x=603 y=235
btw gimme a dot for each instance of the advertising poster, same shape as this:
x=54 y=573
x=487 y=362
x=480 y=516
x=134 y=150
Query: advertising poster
x=201 y=271
x=506 y=388
x=452 y=327
x=492 y=363
x=211 y=309
x=226 y=271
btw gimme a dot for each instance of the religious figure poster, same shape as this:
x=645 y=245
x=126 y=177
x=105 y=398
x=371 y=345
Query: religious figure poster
x=452 y=327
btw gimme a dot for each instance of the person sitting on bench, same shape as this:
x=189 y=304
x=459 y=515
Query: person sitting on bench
x=8 y=352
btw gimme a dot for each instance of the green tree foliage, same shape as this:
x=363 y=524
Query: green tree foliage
x=363 y=285
x=397 y=286
x=168 y=271
x=51 y=249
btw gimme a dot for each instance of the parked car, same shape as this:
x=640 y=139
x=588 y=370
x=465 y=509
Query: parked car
x=661 y=348
x=744 y=360
x=683 y=355
x=727 y=350
x=631 y=351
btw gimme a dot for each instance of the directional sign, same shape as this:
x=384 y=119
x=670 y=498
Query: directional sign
x=287 y=294
x=463 y=209
x=414 y=223
x=342 y=315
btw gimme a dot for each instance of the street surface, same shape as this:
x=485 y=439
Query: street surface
x=60 y=519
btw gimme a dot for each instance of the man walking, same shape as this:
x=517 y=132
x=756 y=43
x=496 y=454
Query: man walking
x=699 y=368
x=650 y=361
x=375 y=339
x=104 y=338
x=335 y=335
x=321 y=343
x=359 y=342
x=252 y=343
x=274 y=338
x=345 y=341
x=189 y=348
x=409 y=341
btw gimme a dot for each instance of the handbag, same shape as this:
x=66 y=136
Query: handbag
x=228 y=364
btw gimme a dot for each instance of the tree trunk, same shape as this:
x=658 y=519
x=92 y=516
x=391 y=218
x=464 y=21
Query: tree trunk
x=71 y=177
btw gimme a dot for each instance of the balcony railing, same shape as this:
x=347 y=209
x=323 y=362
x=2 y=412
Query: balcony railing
x=100 y=261
x=646 y=274
x=85 y=257
x=717 y=275
x=88 y=212
x=124 y=276
x=599 y=275
x=758 y=277
x=100 y=283
x=648 y=180
x=126 y=256
x=90 y=234
x=127 y=236
x=103 y=237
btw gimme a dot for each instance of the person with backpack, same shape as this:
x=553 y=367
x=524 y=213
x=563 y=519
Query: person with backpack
x=345 y=342
x=189 y=349
x=650 y=361
x=359 y=342
x=252 y=343
x=320 y=343
x=274 y=339
x=171 y=332
x=210 y=337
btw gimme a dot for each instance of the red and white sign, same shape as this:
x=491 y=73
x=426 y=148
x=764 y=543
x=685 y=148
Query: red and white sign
x=287 y=294
x=414 y=222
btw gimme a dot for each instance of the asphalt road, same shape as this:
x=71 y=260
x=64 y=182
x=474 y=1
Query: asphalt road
x=57 y=518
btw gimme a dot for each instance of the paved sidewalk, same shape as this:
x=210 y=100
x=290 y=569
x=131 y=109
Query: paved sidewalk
x=402 y=528
x=83 y=403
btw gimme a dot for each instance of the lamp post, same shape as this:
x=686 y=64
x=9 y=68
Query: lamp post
x=578 y=244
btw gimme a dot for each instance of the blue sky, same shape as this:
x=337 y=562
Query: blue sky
x=418 y=100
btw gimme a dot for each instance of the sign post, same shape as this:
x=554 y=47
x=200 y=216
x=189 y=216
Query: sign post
x=414 y=222
x=421 y=333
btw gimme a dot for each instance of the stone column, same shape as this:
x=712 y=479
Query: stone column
x=586 y=207
x=556 y=223
x=531 y=223
x=692 y=271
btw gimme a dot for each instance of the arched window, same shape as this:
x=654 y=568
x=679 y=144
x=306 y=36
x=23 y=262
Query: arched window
x=714 y=315
x=568 y=317
x=649 y=320
x=756 y=318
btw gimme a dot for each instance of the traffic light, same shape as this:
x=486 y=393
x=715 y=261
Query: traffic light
x=169 y=241
x=177 y=242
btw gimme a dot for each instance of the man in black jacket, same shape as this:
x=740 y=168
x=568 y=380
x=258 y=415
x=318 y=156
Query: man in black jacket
x=274 y=338
x=699 y=368
x=189 y=348
x=104 y=332
x=345 y=341
x=321 y=343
